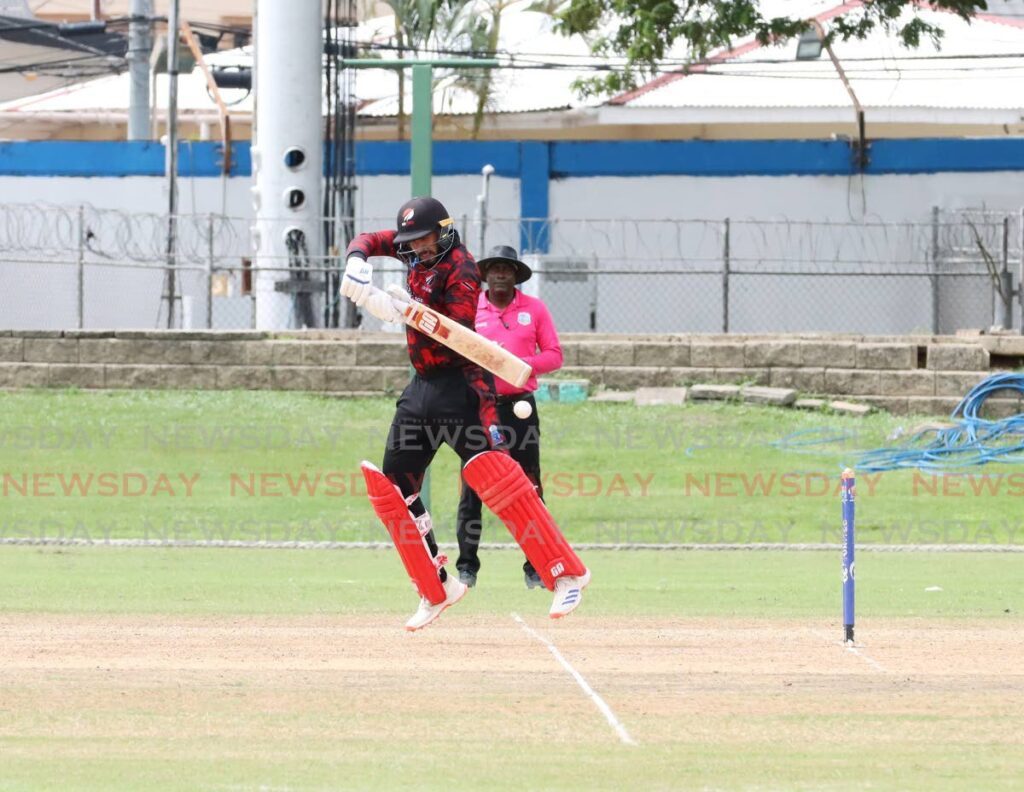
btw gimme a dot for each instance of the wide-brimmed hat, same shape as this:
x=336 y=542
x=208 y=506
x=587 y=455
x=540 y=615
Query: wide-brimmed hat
x=505 y=255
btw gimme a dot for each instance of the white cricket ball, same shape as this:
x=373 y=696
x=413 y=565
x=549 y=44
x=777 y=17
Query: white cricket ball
x=522 y=409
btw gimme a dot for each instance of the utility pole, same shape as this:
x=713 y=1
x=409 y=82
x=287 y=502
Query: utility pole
x=288 y=161
x=140 y=45
x=421 y=154
x=171 y=162
x=809 y=47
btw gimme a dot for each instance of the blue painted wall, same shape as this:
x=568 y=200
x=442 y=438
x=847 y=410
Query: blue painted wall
x=564 y=159
x=116 y=158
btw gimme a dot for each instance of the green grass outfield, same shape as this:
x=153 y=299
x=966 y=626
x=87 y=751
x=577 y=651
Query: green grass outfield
x=284 y=467
x=642 y=583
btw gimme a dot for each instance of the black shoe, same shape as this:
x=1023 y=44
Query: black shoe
x=532 y=579
x=467 y=578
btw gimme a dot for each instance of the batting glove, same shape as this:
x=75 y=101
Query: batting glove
x=399 y=293
x=356 y=282
x=381 y=305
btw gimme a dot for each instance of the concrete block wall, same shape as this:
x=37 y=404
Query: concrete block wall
x=919 y=374
x=901 y=374
x=346 y=362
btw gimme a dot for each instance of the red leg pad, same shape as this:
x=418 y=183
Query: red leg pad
x=504 y=487
x=389 y=505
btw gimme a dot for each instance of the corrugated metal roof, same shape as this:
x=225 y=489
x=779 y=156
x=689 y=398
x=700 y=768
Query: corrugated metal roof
x=883 y=73
x=885 y=76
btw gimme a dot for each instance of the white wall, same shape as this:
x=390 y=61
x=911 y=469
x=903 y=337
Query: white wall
x=856 y=205
x=41 y=294
x=38 y=274
x=378 y=198
x=132 y=193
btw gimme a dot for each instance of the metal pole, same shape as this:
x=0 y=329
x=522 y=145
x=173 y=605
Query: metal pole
x=172 y=157
x=140 y=45
x=862 y=150
x=725 y=276
x=81 y=267
x=209 y=275
x=482 y=201
x=422 y=145
x=1020 y=268
x=288 y=160
x=1005 y=291
x=422 y=104
x=934 y=277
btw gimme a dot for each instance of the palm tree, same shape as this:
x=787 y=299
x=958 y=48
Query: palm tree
x=475 y=25
x=448 y=26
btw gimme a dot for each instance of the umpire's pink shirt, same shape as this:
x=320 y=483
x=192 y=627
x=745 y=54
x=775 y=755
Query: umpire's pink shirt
x=525 y=328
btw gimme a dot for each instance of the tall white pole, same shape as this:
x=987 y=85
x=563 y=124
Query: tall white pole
x=482 y=201
x=287 y=155
x=140 y=45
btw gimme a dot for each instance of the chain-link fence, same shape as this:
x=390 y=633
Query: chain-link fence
x=66 y=267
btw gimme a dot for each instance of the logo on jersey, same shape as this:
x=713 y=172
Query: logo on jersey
x=524 y=318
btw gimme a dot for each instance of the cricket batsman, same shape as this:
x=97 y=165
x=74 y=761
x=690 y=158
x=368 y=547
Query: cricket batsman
x=449 y=400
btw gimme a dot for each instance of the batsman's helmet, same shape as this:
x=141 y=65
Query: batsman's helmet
x=419 y=217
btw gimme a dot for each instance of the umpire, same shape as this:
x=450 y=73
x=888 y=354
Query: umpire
x=522 y=325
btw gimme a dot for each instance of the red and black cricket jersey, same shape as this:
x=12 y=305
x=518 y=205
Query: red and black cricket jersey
x=451 y=287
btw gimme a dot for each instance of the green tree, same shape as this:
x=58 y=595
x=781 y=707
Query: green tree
x=643 y=31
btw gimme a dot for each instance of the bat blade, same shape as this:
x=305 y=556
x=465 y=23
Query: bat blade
x=468 y=343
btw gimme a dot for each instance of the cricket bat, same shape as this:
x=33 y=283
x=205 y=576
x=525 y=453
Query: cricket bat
x=471 y=345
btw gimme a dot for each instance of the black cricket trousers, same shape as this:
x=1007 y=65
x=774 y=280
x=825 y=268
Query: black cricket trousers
x=445 y=408
x=522 y=436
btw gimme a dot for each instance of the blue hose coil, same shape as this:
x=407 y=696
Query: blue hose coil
x=973 y=441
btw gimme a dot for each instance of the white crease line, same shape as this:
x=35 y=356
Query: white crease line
x=852 y=649
x=599 y=702
x=871 y=662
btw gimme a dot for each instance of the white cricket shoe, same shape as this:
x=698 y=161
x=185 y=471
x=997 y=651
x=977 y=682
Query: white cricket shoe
x=568 y=594
x=426 y=613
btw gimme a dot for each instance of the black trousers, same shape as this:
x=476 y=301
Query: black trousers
x=444 y=409
x=523 y=439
